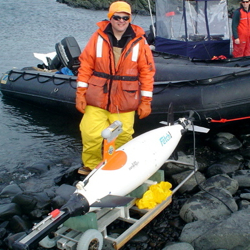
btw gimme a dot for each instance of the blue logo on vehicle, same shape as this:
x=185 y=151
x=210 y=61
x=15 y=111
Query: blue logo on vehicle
x=164 y=139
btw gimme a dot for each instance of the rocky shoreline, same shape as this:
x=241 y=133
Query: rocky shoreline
x=210 y=211
x=140 y=7
x=213 y=214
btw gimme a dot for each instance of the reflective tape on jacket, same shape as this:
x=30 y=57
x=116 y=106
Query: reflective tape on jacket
x=146 y=93
x=135 y=52
x=82 y=84
x=99 y=49
x=99 y=46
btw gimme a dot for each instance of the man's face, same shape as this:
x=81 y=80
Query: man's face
x=118 y=23
x=245 y=4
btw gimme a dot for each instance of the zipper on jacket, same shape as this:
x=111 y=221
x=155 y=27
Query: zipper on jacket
x=105 y=87
x=111 y=80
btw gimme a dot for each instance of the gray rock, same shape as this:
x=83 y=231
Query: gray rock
x=142 y=236
x=225 y=165
x=225 y=142
x=244 y=204
x=3 y=232
x=178 y=246
x=245 y=152
x=221 y=181
x=65 y=191
x=184 y=163
x=26 y=202
x=7 y=211
x=247 y=163
x=63 y=194
x=194 y=230
x=40 y=167
x=43 y=200
x=245 y=196
x=202 y=163
x=191 y=183
x=243 y=177
x=29 y=202
x=11 y=190
x=210 y=204
x=231 y=233
x=19 y=224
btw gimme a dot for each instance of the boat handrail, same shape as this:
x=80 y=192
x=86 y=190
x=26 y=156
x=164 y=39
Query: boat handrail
x=204 y=81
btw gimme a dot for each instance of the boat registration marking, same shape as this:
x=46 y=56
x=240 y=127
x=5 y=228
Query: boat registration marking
x=4 y=79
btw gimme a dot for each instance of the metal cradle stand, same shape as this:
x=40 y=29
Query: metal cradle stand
x=68 y=238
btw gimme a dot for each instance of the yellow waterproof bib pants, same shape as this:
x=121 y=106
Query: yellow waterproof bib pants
x=94 y=121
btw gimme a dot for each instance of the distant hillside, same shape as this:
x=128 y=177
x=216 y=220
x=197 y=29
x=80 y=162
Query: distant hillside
x=138 y=6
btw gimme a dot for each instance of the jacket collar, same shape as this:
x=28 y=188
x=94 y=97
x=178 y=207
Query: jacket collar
x=138 y=31
x=129 y=32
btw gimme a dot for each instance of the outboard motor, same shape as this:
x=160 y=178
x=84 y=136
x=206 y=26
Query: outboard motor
x=54 y=63
x=68 y=52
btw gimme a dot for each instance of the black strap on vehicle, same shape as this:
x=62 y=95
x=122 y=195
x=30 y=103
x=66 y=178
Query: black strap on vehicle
x=115 y=77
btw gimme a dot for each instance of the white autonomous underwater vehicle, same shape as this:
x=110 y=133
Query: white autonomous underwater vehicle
x=121 y=171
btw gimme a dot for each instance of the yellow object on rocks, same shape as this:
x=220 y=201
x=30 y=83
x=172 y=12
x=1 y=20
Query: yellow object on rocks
x=155 y=195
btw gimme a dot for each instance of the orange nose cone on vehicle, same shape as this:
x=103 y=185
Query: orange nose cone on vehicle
x=116 y=161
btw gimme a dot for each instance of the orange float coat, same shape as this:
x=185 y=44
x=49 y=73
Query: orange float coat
x=116 y=88
x=241 y=30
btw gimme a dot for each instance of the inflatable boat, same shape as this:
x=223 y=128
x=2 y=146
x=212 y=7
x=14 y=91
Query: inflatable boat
x=187 y=76
x=213 y=92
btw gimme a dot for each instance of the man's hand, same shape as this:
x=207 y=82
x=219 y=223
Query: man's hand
x=144 y=108
x=237 y=41
x=80 y=99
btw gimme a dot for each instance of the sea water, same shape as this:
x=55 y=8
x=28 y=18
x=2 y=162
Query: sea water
x=29 y=134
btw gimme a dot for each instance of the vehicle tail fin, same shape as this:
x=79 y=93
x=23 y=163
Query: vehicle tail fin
x=112 y=201
x=198 y=129
x=170 y=119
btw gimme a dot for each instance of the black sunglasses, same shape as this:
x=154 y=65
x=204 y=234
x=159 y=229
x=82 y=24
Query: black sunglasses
x=118 y=18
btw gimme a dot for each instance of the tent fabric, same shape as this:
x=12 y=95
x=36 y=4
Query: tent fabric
x=193 y=28
x=199 y=50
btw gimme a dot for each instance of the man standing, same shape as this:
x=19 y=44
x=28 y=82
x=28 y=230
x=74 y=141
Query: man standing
x=241 y=30
x=115 y=79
